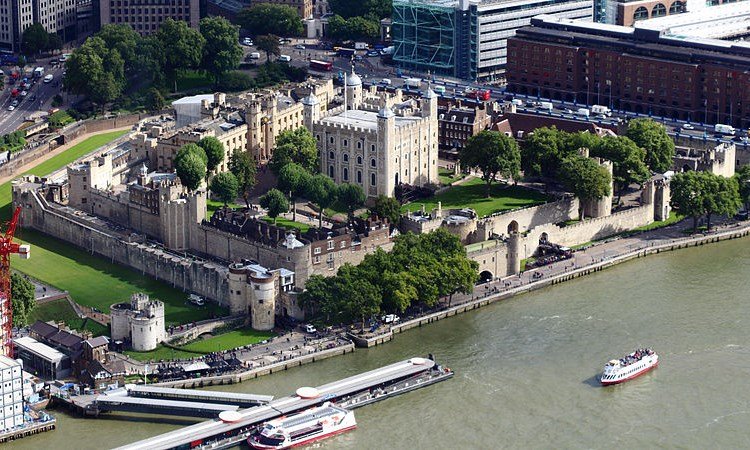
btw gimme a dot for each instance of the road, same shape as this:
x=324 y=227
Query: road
x=43 y=93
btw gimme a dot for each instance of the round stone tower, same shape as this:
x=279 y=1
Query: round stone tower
x=353 y=90
x=237 y=289
x=120 y=321
x=263 y=301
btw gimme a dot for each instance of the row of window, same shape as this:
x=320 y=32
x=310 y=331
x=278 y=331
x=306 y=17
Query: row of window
x=345 y=142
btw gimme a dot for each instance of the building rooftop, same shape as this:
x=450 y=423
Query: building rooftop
x=364 y=119
x=36 y=347
x=194 y=99
x=717 y=22
x=7 y=363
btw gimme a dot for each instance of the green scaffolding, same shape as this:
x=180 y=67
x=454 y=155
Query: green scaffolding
x=424 y=35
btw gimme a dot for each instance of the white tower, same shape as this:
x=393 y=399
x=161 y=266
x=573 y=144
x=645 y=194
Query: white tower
x=311 y=110
x=386 y=130
x=353 y=91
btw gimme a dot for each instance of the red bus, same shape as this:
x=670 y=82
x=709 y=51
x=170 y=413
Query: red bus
x=481 y=95
x=321 y=66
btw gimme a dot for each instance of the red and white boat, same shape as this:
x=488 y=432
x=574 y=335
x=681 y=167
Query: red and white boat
x=629 y=367
x=304 y=428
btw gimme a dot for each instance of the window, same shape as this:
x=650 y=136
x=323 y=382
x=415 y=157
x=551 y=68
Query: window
x=317 y=250
x=640 y=13
x=331 y=140
x=331 y=244
x=359 y=144
x=346 y=143
x=359 y=160
x=372 y=179
x=345 y=174
x=331 y=155
x=359 y=176
x=372 y=147
x=346 y=157
x=330 y=171
x=373 y=163
x=659 y=10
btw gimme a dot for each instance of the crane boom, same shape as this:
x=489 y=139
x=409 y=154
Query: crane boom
x=7 y=248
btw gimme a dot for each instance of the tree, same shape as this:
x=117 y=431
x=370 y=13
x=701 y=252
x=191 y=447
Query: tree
x=494 y=154
x=292 y=179
x=353 y=29
x=214 y=152
x=275 y=202
x=399 y=291
x=183 y=47
x=154 y=100
x=652 y=137
x=242 y=165
x=722 y=196
x=194 y=149
x=298 y=146
x=280 y=20
x=225 y=186
x=34 y=39
x=387 y=208
x=268 y=43
x=358 y=297
x=542 y=152
x=457 y=274
x=191 y=169
x=319 y=296
x=628 y=160
x=375 y=9
x=124 y=39
x=222 y=51
x=352 y=196
x=54 y=42
x=322 y=191
x=150 y=59
x=688 y=193
x=586 y=179
x=23 y=299
x=95 y=70
x=743 y=180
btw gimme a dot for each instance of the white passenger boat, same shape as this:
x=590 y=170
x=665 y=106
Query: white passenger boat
x=629 y=367
x=304 y=428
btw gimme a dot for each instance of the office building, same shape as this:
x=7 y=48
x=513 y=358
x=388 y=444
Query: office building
x=145 y=16
x=11 y=399
x=56 y=16
x=467 y=38
x=641 y=69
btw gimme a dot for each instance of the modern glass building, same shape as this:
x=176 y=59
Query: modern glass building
x=467 y=38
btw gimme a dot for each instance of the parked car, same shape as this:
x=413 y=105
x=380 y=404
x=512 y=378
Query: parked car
x=372 y=53
x=310 y=328
x=11 y=108
x=247 y=41
x=196 y=300
x=299 y=47
x=390 y=318
x=688 y=126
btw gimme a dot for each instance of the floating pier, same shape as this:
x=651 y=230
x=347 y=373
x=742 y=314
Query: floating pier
x=164 y=393
x=352 y=392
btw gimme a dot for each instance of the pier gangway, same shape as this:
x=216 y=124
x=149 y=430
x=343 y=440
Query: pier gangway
x=105 y=403
x=411 y=374
x=196 y=395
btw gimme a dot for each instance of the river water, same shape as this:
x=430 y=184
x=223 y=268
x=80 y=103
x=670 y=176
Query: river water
x=526 y=367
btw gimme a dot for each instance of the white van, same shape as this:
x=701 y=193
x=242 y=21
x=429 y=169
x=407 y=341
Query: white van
x=254 y=55
x=720 y=128
x=197 y=300
x=386 y=81
x=545 y=106
x=48 y=78
x=285 y=58
x=439 y=89
x=601 y=110
x=583 y=112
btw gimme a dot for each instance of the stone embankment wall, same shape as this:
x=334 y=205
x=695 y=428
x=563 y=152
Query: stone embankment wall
x=191 y=332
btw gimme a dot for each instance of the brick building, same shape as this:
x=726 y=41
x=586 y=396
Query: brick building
x=457 y=122
x=632 y=69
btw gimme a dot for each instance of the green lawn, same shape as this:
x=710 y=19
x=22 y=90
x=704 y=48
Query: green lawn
x=226 y=341
x=55 y=163
x=673 y=218
x=212 y=206
x=61 y=310
x=96 y=282
x=471 y=194
x=188 y=80
x=446 y=176
x=288 y=224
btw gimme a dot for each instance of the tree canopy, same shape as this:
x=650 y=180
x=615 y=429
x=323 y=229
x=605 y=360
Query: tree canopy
x=494 y=154
x=652 y=137
x=743 y=180
x=183 y=46
x=387 y=208
x=322 y=191
x=190 y=165
x=417 y=272
x=698 y=194
x=225 y=186
x=268 y=43
x=353 y=29
x=34 y=39
x=23 y=299
x=544 y=150
x=298 y=146
x=214 y=150
x=292 y=180
x=242 y=165
x=374 y=9
x=154 y=100
x=95 y=70
x=585 y=178
x=353 y=196
x=628 y=160
x=263 y=19
x=275 y=202
x=222 y=51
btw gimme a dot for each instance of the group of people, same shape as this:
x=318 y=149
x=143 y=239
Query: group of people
x=636 y=356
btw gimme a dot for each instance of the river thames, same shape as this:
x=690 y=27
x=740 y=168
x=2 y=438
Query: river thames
x=526 y=368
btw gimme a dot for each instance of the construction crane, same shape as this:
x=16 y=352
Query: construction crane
x=7 y=248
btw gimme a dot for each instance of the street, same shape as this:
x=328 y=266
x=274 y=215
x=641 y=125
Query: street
x=40 y=91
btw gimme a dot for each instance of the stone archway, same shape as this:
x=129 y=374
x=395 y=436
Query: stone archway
x=513 y=227
x=544 y=238
x=485 y=276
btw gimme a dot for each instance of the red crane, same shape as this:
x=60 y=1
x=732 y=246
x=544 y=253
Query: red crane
x=7 y=248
